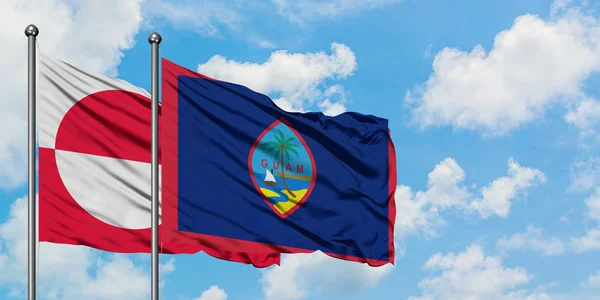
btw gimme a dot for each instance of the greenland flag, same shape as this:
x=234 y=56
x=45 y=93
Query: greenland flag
x=94 y=160
x=94 y=167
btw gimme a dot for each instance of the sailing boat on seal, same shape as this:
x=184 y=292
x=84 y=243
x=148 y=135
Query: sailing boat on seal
x=269 y=178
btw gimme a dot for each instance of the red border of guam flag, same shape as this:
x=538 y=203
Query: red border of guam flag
x=260 y=254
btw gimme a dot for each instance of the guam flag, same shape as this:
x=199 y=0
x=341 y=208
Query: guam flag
x=242 y=174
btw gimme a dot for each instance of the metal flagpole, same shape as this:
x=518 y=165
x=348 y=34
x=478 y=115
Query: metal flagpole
x=154 y=39
x=31 y=32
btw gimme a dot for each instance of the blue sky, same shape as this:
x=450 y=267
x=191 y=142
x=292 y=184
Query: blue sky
x=493 y=110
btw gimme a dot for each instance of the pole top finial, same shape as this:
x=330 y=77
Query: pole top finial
x=31 y=30
x=154 y=38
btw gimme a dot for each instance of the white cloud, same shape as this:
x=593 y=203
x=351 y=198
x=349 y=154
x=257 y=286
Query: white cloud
x=588 y=291
x=334 y=100
x=75 y=31
x=293 y=80
x=213 y=293
x=210 y=18
x=586 y=116
x=585 y=174
x=538 y=294
x=532 y=240
x=589 y=242
x=288 y=106
x=415 y=214
x=593 y=282
x=301 y=11
x=118 y=278
x=420 y=211
x=496 y=197
x=68 y=272
x=472 y=275
x=168 y=267
x=261 y=42
x=533 y=65
x=427 y=53
x=203 y=17
x=593 y=205
x=301 y=275
x=331 y=109
x=559 y=6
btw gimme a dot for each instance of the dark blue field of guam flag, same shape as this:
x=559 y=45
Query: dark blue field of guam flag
x=240 y=175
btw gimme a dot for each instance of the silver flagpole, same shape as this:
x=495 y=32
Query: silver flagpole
x=154 y=40
x=31 y=32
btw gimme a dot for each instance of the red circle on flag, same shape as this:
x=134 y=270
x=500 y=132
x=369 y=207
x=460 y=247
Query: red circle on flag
x=103 y=157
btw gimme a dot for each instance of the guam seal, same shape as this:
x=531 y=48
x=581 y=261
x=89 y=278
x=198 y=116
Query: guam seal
x=282 y=168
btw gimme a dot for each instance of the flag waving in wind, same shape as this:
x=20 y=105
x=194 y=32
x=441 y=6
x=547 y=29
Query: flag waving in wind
x=241 y=179
x=240 y=173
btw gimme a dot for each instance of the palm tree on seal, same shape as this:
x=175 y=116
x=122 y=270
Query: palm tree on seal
x=283 y=146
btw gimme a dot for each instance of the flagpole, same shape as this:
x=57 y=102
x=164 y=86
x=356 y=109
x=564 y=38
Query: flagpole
x=31 y=32
x=154 y=39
